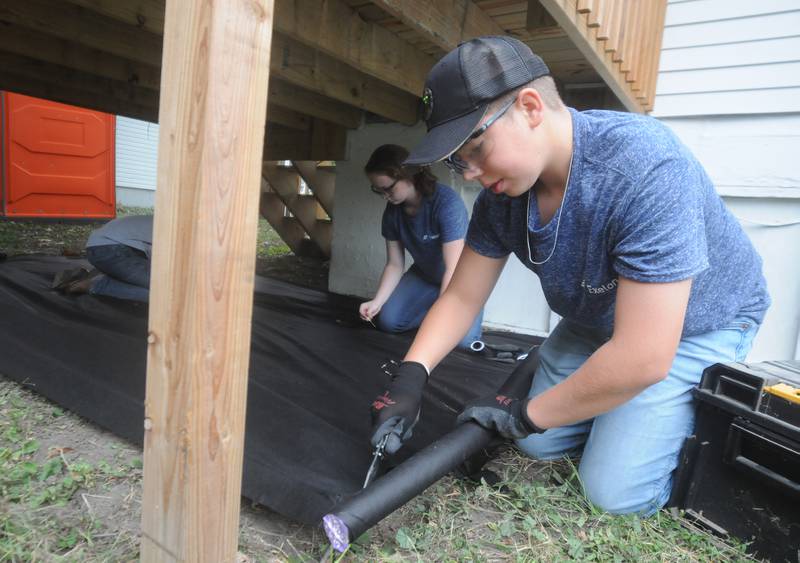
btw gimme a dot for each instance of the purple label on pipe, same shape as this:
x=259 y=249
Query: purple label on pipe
x=337 y=532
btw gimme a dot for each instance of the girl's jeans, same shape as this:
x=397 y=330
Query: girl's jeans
x=410 y=302
x=629 y=453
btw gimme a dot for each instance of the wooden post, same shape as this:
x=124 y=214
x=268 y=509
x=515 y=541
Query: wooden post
x=212 y=114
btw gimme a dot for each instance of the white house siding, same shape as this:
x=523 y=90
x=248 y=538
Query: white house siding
x=752 y=160
x=137 y=154
x=729 y=57
x=729 y=86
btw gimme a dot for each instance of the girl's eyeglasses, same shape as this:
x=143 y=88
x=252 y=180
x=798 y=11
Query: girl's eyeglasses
x=458 y=164
x=383 y=191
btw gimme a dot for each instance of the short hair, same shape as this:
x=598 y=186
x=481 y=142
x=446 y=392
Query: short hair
x=388 y=160
x=546 y=87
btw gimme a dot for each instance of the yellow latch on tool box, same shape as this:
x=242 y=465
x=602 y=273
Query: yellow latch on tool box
x=784 y=391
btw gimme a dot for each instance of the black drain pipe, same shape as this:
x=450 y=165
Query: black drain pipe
x=369 y=506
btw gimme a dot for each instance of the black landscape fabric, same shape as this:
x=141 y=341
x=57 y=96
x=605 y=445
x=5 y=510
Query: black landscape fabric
x=314 y=369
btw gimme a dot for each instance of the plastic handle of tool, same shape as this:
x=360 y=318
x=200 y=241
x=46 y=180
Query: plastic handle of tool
x=388 y=493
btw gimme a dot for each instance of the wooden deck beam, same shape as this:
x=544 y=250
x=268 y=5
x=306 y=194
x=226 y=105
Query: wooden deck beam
x=444 y=24
x=288 y=118
x=69 y=54
x=296 y=61
x=85 y=27
x=328 y=25
x=336 y=29
x=96 y=87
x=537 y=18
x=212 y=113
x=313 y=104
x=321 y=141
x=299 y=64
x=68 y=94
x=35 y=77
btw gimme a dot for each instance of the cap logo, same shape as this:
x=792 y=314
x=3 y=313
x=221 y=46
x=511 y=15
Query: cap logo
x=427 y=102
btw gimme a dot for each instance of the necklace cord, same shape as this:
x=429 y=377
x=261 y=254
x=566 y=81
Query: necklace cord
x=558 y=221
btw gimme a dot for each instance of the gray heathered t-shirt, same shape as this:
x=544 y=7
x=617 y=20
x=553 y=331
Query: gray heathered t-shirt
x=442 y=217
x=640 y=206
x=135 y=231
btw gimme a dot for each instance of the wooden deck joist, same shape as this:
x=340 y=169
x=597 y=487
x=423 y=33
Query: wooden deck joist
x=445 y=25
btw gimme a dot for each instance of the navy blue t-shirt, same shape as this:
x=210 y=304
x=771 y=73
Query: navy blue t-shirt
x=442 y=217
x=640 y=206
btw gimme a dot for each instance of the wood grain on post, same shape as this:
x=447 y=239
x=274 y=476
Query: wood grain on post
x=212 y=112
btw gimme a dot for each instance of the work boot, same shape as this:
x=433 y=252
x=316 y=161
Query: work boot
x=68 y=276
x=82 y=285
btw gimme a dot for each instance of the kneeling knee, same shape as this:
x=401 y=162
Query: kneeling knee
x=389 y=323
x=540 y=446
x=614 y=496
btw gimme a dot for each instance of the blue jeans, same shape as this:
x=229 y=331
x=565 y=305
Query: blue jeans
x=630 y=452
x=410 y=302
x=127 y=272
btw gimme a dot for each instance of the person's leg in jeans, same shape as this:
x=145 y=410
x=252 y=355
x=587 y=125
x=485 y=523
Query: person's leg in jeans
x=474 y=333
x=562 y=353
x=127 y=272
x=630 y=452
x=410 y=302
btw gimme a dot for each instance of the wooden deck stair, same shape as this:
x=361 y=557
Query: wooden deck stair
x=303 y=220
x=321 y=180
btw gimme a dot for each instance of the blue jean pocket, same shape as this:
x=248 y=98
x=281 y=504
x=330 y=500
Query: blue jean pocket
x=747 y=330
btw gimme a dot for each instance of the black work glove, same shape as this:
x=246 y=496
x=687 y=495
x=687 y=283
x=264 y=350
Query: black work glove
x=396 y=410
x=506 y=415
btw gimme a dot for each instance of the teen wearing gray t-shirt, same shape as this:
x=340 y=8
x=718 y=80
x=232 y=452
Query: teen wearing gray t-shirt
x=654 y=278
x=120 y=253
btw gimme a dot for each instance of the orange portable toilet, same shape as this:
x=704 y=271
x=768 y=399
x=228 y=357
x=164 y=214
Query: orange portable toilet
x=58 y=160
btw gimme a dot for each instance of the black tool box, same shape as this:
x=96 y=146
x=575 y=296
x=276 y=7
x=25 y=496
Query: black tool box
x=739 y=474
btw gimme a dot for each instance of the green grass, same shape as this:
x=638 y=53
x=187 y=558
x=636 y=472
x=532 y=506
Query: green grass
x=536 y=513
x=69 y=238
x=28 y=237
x=45 y=514
x=269 y=242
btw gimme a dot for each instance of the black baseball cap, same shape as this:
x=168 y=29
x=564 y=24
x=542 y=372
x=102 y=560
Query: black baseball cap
x=461 y=85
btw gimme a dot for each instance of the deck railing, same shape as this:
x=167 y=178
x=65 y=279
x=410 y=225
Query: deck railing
x=622 y=39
